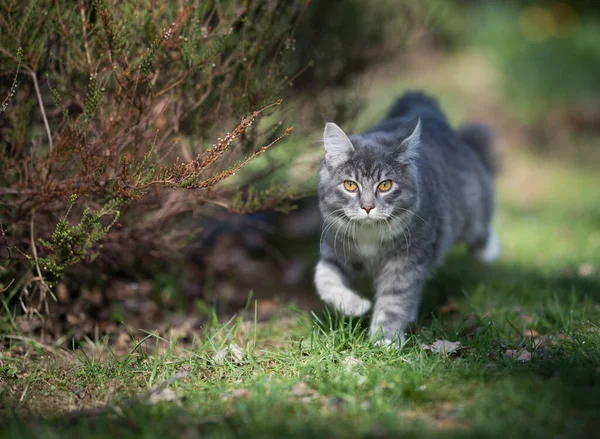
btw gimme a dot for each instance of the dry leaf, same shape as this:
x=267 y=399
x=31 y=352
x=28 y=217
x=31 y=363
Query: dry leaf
x=165 y=394
x=531 y=333
x=231 y=353
x=519 y=355
x=301 y=389
x=448 y=308
x=443 y=347
x=238 y=394
x=304 y=393
x=350 y=362
x=585 y=270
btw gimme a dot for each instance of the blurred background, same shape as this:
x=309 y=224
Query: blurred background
x=128 y=195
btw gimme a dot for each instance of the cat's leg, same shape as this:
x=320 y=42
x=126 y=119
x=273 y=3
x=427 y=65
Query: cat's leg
x=397 y=300
x=488 y=250
x=333 y=286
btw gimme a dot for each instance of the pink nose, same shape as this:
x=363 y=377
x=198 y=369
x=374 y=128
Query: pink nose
x=367 y=209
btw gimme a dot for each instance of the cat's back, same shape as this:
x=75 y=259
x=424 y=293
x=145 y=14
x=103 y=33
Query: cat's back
x=407 y=108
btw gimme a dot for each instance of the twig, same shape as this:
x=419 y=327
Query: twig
x=7 y=287
x=13 y=89
x=85 y=42
x=39 y=278
x=5 y=240
x=39 y=97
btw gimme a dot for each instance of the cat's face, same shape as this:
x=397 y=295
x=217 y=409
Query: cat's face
x=368 y=179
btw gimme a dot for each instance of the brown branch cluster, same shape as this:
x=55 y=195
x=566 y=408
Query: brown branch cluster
x=115 y=115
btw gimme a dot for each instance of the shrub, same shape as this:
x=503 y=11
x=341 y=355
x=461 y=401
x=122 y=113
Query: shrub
x=111 y=102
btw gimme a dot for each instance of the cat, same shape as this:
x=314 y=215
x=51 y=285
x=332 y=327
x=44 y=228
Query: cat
x=394 y=199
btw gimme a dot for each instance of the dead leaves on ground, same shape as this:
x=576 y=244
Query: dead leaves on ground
x=231 y=353
x=443 y=347
x=534 y=345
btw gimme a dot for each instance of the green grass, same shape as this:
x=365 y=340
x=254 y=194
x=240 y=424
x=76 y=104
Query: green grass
x=305 y=375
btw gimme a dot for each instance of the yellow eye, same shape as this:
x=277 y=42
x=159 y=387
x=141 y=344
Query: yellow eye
x=350 y=186
x=385 y=185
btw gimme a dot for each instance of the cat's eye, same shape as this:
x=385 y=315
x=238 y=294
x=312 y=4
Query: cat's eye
x=385 y=185
x=350 y=186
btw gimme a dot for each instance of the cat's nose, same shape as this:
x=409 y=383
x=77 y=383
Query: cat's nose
x=367 y=209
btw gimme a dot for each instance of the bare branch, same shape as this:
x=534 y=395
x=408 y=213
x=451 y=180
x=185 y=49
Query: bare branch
x=85 y=41
x=39 y=97
x=4 y=238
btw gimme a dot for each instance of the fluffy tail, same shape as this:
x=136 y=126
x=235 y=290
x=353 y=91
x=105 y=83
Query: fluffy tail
x=416 y=103
x=480 y=138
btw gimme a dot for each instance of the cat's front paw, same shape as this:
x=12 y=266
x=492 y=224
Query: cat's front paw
x=353 y=305
x=388 y=334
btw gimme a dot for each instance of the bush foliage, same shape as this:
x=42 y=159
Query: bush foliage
x=110 y=101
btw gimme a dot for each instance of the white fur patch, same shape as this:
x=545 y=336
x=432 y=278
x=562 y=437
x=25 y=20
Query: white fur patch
x=333 y=291
x=491 y=251
x=369 y=238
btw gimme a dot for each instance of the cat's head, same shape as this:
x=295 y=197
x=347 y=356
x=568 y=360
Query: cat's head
x=369 y=178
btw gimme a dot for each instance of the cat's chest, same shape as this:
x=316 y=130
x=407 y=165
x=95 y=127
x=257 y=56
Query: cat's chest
x=369 y=242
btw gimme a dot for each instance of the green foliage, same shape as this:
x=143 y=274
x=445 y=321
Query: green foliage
x=133 y=87
x=547 y=52
x=341 y=36
x=69 y=244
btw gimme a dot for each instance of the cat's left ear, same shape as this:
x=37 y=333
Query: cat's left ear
x=409 y=148
x=338 y=146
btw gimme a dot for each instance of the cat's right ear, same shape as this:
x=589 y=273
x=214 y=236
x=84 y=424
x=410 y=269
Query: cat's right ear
x=338 y=146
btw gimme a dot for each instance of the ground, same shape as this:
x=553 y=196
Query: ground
x=508 y=350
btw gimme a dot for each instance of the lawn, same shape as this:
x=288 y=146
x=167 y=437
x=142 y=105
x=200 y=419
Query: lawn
x=527 y=363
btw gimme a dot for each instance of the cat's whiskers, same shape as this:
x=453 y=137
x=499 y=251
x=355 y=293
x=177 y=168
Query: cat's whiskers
x=326 y=229
x=345 y=222
x=345 y=239
x=418 y=216
x=407 y=240
x=328 y=225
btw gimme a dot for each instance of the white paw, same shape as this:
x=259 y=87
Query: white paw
x=355 y=306
x=389 y=339
x=491 y=251
x=390 y=342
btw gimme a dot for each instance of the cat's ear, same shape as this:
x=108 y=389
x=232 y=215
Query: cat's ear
x=409 y=148
x=337 y=145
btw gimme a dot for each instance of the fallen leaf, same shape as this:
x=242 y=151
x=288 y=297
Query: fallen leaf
x=304 y=393
x=238 y=394
x=531 y=333
x=165 y=394
x=301 y=389
x=266 y=308
x=518 y=354
x=162 y=392
x=231 y=353
x=448 y=308
x=585 y=270
x=443 y=347
x=351 y=362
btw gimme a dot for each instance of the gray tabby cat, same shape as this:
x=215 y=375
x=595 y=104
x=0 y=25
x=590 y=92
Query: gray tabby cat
x=394 y=200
